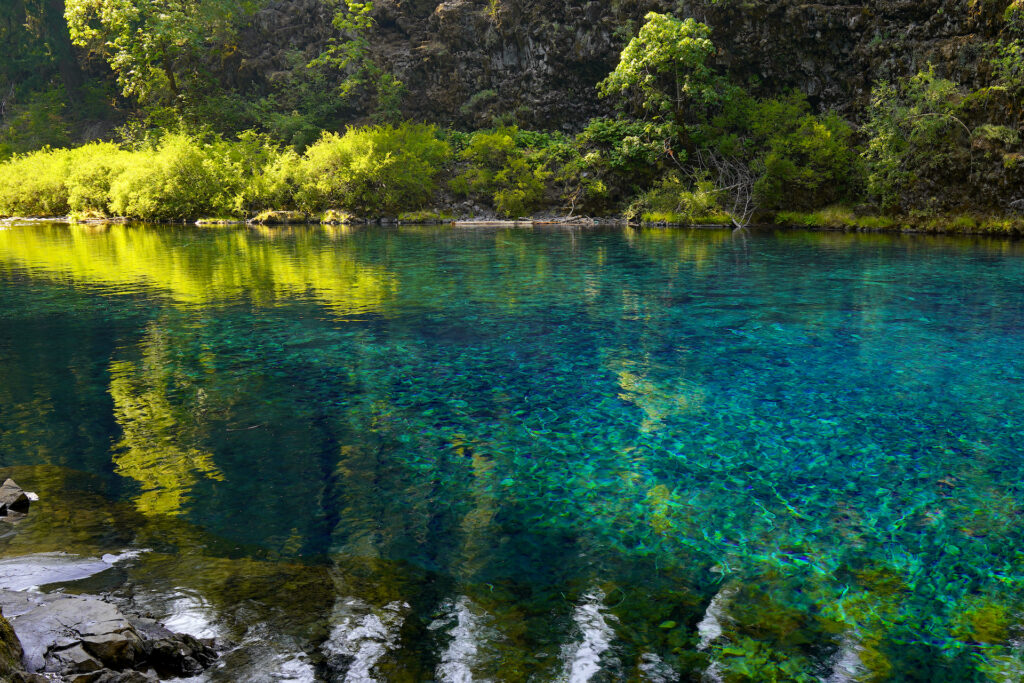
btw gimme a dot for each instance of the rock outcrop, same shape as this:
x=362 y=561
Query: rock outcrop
x=86 y=640
x=14 y=499
x=465 y=61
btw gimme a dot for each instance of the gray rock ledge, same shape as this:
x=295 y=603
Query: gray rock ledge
x=83 y=639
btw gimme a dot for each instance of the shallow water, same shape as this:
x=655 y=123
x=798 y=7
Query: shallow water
x=551 y=454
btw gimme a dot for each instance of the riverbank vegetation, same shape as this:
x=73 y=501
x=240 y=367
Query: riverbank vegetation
x=687 y=142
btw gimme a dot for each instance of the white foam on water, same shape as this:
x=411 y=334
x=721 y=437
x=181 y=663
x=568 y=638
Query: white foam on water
x=656 y=671
x=295 y=669
x=191 y=615
x=710 y=626
x=123 y=556
x=464 y=629
x=847 y=667
x=362 y=635
x=582 y=659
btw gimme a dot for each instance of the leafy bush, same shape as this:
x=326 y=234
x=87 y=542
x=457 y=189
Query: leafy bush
x=916 y=141
x=89 y=182
x=814 y=165
x=509 y=175
x=181 y=178
x=375 y=170
x=55 y=182
x=35 y=184
x=675 y=200
x=265 y=174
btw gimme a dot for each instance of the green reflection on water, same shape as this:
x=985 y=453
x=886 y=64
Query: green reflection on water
x=822 y=433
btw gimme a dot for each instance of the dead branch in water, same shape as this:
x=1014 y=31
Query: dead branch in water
x=734 y=180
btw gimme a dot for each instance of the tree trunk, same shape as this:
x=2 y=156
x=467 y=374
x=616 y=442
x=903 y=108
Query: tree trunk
x=172 y=82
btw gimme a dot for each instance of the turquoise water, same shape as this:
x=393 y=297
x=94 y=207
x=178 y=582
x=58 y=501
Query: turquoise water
x=535 y=454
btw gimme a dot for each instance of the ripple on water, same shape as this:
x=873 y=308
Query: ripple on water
x=588 y=655
x=361 y=635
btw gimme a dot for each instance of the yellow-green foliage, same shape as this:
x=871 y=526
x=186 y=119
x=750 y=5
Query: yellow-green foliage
x=56 y=182
x=35 y=184
x=425 y=216
x=89 y=181
x=375 y=170
x=836 y=217
x=674 y=200
x=181 y=178
x=511 y=175
x=843 y=217
x=274 y=185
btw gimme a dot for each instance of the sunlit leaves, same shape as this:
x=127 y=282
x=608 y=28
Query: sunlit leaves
x=156 y=48
x=665 y=67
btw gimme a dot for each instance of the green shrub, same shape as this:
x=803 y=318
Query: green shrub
x=90 y=180
x=615 y=158
x=917 y=144
x=56 y=182
x=36 y=184
x=266 y=174
x=511 y=177
x=675 y=200
x=275 y=185
x=181 y=178
x=378 y=170
x=814 y=164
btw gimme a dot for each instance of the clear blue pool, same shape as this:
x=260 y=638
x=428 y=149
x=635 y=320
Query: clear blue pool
x=534 y=454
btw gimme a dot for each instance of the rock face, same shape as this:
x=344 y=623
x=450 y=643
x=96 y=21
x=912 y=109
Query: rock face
x=86 y=640
x=465 y=61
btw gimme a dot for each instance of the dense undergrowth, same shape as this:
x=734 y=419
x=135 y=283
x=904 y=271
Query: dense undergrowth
x=688 y=145
x=614 y=166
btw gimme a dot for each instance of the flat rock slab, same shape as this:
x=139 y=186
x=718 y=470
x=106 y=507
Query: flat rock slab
x=30 y=571
x=51 y=623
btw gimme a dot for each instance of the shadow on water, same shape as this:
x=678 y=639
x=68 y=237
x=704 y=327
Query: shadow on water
x=429 y=453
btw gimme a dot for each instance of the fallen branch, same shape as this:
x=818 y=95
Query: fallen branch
x=735 y=180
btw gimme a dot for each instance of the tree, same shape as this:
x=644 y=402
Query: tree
x=664 y=70
x=36 y=43
x=364 y=75
x=917 y=144
x=157 y=48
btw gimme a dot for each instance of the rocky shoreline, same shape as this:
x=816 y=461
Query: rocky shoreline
x=65 y=638
x=979 y=225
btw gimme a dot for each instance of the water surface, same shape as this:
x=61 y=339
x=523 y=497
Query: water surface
x=548 y=454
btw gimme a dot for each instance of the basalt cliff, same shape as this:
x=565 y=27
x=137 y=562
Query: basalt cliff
x=466 y=61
